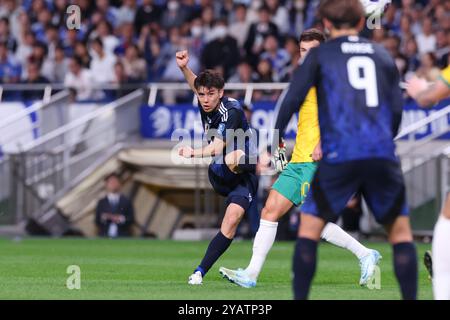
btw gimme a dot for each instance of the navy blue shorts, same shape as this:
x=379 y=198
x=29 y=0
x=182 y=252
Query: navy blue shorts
x=237 y=188
x=380 y=181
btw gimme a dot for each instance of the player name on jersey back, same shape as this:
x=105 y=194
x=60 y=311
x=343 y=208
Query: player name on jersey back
x=357 y=48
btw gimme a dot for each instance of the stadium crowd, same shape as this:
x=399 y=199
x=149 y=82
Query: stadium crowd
x=134 y=41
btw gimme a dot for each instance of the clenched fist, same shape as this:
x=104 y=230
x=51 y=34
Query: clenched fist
x=182 y=58
x=185 y=152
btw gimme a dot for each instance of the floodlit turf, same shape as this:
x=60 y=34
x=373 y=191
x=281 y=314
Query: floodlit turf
x=148 y=269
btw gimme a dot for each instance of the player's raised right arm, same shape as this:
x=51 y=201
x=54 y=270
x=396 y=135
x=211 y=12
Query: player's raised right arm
x=182 y=62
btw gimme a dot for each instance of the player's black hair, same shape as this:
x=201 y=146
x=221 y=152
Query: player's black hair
x=209 y=79
x=311 y=35
x=342 y=13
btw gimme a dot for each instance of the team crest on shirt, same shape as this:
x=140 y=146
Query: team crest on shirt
x=221 y=128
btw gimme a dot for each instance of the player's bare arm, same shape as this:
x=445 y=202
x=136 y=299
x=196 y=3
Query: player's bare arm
x=182 y=58
x=425 y=94
x=216 y=147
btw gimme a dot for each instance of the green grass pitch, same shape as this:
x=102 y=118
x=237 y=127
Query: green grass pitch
x=36 y=268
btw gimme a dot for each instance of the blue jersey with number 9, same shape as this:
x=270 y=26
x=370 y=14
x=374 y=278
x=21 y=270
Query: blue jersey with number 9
x=359 y=98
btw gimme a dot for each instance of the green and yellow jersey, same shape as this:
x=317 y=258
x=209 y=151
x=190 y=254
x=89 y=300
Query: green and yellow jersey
x=294 y=181
x=308 y=132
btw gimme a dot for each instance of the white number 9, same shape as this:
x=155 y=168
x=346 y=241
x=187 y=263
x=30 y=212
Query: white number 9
x=367 y=81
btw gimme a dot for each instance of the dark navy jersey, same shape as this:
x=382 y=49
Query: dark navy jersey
x=228 y=122
x=359 y=98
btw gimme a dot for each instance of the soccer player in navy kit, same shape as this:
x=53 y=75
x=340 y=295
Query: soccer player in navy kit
x=232 y=145
x=360 y=108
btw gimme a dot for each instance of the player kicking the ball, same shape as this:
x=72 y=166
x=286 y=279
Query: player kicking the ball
x=232 y=171
x=291 y=188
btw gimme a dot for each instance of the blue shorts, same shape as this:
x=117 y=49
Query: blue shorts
x=237 y=188
x=380 y=182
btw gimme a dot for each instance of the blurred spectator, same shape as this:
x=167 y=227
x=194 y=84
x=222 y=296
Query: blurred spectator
x=426 y=40
x=135 y=66
x=174 y=15
x=280 y=15
x=442 y=48
x=59 y=12
x=37 y=6
x=428 y=68
x=193 y=9
x=196 y=41
x=25 y=48
x=69 y=40
x=102 y=64
x=416 y=19
x=80 y=79
x=126 y=38
x=126 y=12
x=160 y=27
x=122 y=80
x=114 y=214
x=278 y=57
x=391 y=19
x=81 y=51
x=264 y=73
x=108 y=12
x=51 y=39
x=292 y=47
x=44 y=18
x=10 y=70
x=244 y=74
x=5 y=35
x=254 y=44
x=239 y=26
x=208 y=20
x=104 y=31
x=10 y=9
x=56 y=68
x=392 y=45
x=222 y=51
x=296 y=17
x=150 y=45
x=412 y=54
x=148 y=12
x=405 y=28
x=38 y=53
x=167 y=52
x=34 y=77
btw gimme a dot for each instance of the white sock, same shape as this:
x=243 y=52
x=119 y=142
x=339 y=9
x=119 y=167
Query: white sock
x=332 y=233
x=264 y=239
x=441 y=259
